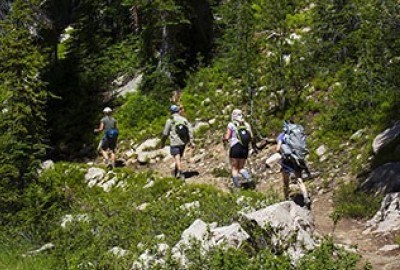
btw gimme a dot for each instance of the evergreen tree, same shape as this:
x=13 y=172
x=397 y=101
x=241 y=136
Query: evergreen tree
x=22 y=96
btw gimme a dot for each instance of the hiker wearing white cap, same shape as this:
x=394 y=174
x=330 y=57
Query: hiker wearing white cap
x=180 y=133
x=239 y=134
x=108 y=124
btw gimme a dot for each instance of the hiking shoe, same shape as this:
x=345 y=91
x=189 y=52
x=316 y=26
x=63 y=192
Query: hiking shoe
x=110 y=166
x=180 y=175
x=307 y=203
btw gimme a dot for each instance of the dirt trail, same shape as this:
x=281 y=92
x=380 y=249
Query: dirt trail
x=348 y=233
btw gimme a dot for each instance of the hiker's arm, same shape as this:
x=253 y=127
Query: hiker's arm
x=163 y=139
x=191 y=138
x=101 y=127
x=278 y=146
x=167 y=129
x=227 y=135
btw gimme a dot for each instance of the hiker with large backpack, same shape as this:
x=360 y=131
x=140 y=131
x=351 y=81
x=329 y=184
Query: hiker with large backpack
x=180 y=133
x=108 y=124
x=239 y=136
x=292 y=146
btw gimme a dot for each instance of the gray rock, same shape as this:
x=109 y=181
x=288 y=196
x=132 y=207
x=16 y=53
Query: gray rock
x=387 y=219
x=96 y=174
x=130 y=87
x=386 y=137
x=233 y=235
x=47 y=165
x=45 y=247
x=389 y=247
x=119 y=252
x=321 y=150
x=283 y=222
x=383 y=180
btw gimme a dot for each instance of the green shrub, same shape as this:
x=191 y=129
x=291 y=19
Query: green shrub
x=328 y=256
x=350 y=202
x=141 y=117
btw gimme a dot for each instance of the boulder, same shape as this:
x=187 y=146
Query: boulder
x=96 y=174
x=286 y=227
x=387 y=218
x=383 y=180
x=383 y=139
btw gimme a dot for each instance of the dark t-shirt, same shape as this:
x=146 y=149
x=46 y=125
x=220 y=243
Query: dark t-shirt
x=109 y=122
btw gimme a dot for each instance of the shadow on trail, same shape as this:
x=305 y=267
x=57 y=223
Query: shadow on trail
x=190 y=174
x=119 y=163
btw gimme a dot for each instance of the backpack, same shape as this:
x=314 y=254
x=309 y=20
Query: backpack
x=295 y=145
x=112 y=133
x=182 y=130
x=243 y=134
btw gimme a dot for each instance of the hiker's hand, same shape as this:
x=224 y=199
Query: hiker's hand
x=192 y=145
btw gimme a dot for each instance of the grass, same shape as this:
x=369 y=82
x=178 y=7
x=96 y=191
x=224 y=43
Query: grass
x=11 y=258
x=350 y=202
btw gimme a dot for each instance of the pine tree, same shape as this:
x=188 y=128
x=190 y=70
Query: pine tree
x=22 y=96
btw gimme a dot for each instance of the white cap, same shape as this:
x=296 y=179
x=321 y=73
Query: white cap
x=107 y=110
x=237 y=115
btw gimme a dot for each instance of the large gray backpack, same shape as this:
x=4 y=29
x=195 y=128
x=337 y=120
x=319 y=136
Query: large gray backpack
x=295 y=145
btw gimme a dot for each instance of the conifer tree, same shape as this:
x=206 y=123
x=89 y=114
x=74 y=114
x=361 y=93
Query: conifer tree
x=22 y=96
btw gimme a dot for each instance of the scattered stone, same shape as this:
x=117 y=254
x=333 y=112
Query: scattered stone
x=389 y=247
x=321 y=150
x=119 y=252
x=45 y=247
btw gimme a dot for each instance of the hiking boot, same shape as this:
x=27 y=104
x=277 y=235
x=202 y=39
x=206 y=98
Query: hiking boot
x=307 y=203
x=110 y=166
x=180 y=175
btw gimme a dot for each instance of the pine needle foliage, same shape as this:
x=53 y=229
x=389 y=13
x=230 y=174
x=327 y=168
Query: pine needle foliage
x=23 y=99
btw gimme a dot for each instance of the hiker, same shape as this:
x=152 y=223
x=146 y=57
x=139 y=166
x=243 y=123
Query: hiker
x=293 y=151
x=239 y=135
x=180 y=133
x=108 y=124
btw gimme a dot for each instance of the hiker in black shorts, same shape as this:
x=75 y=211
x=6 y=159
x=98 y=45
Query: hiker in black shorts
x=239 y=135
x=108 y=124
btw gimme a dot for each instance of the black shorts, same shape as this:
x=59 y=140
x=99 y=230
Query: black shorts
x=108 y=143
x=290 y=165
x=177 y=150
x=239 y=151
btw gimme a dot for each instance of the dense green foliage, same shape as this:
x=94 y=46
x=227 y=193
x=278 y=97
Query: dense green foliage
x=351 y=202
x=23 y=99
x=129 y=217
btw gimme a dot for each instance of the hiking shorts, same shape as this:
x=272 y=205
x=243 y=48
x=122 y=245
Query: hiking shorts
x=291 y=166
x=177 y=150
x=239 y=151
x=108 y=144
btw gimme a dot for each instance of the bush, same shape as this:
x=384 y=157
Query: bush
x=350 y=202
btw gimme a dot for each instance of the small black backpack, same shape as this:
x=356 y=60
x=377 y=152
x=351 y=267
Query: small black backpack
x=243 y=134
x=182 y=130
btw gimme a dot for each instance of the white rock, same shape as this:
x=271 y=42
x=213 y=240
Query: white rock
x=119 y=252
x=389 y=247
x=95 y=174
x=321 y=150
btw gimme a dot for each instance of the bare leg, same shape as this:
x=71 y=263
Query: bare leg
x=113 y=158
x=285 y=178
x=235 y=171
x=104 y=153
x=178 y=165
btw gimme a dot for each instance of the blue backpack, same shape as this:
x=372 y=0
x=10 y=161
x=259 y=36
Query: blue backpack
x=112 y=133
